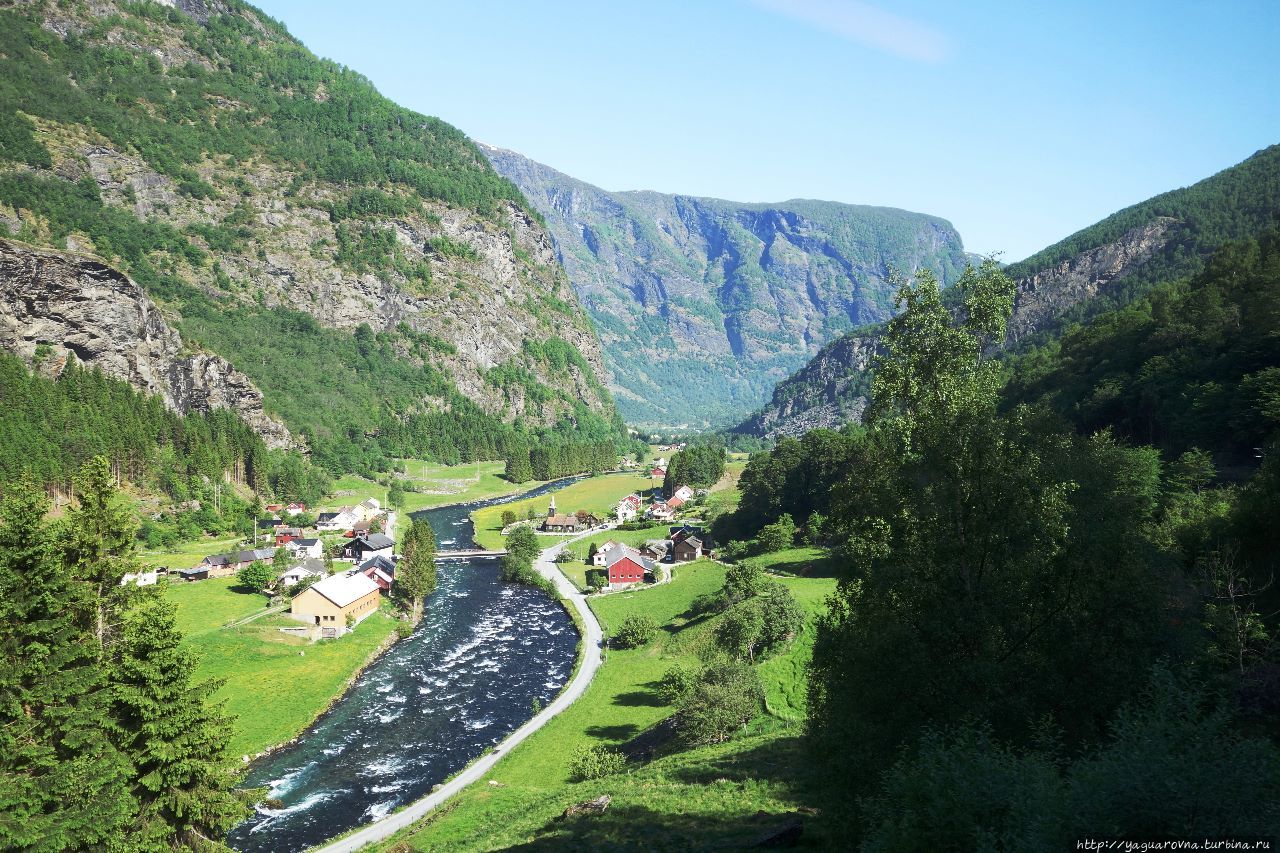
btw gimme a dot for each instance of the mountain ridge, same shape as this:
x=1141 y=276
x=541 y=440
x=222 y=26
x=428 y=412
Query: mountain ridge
x=717 y=298
x=240 y=181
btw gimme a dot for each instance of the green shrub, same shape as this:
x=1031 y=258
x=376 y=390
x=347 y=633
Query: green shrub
x=636 y=631
x=676 y=683
x=596 y=762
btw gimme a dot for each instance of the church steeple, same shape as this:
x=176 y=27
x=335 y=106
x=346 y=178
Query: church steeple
x=551 y=510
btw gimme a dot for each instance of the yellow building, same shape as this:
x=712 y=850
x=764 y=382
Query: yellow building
x=330 y=602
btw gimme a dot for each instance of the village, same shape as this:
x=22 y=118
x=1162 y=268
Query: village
x=331 y=571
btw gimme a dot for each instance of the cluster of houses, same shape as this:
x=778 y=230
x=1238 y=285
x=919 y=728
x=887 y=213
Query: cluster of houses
x=626 y=565
x=364 y=517
x=666 y=510
x=333 y=601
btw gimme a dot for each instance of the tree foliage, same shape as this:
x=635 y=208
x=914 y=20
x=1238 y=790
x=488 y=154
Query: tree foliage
x=700 y=465
x=105 y=735
x=416 y=571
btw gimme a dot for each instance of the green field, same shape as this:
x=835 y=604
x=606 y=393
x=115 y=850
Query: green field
x=188 y=554
x=595 y=494
x=436 y=484
x=276 y=684
x=799 y=562
x=694 y=799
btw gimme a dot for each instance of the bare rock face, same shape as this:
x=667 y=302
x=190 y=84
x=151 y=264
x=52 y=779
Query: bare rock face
x=69 y=306
x=1046 y=295
x=827 y=392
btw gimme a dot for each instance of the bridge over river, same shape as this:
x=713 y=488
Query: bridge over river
x=462 y=555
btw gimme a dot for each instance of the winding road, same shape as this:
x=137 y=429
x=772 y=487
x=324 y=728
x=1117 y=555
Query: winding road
x=592 y=640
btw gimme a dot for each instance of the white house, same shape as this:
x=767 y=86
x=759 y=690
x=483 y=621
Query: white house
x=602 y=553
x=628 y=508
x=368 y=510
x=305 y=569
x=684 y=493
x=343 y=519
x=660 y=511
x=305 y=549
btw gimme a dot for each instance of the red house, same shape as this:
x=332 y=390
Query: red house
x=285 y=535
x=624 y=569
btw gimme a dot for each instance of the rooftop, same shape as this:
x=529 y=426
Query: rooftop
x=344 y=589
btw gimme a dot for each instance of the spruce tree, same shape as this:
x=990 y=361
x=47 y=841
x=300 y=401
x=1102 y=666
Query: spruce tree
x=175 y=737
x=63 y=784
x=416 y=571
x=97 y=547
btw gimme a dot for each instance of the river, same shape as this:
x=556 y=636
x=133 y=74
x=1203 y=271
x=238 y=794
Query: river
x=484 y=652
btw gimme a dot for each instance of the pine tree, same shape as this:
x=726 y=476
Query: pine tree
x=175 y=738
x=416 y=571
x=97 y=546
x=63 y=784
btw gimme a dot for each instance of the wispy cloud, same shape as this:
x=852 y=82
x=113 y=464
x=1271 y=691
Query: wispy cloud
x=867 y=25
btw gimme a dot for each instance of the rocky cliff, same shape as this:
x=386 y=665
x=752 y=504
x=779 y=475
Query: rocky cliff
x=703 y=304
x=240 y=180
x=56 y=306
x=1108 y=264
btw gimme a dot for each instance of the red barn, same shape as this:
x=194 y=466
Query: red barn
x=625 y=569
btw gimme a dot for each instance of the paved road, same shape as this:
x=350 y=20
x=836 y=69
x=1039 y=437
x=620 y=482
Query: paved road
x=591 y=641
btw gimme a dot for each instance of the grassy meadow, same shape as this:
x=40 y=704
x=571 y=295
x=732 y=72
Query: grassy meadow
x=694 y=799
x=594 y=494
x=275 y=684
x=188 y=554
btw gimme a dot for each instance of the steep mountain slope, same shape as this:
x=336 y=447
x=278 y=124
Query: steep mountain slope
x=361 y=263
x=56 y=306
x=702 y=304
x=1102 y=267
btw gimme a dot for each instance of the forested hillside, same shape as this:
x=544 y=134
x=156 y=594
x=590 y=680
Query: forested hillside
x=1043 y=630
x=210 y=468
x=1192 y=364
x=703 y=304
x=1108 y=265
x=363 y=264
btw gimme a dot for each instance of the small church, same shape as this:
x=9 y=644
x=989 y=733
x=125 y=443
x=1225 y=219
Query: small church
x=569 y=523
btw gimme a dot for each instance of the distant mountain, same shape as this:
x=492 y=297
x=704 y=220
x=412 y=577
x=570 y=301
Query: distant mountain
x=702 y=305
x=1104 y=266
x=360 y=263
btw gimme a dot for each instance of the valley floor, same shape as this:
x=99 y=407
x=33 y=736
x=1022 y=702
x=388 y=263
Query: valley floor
x=275 y=684
x=726 y=794
x=598 y=495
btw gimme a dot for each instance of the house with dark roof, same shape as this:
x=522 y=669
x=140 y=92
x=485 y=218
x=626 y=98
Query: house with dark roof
x=687 y=550
x=363 y=548
x=305 y=548
x=217 y=566
x=285 y=535
x=656 y=549
x=380 y=569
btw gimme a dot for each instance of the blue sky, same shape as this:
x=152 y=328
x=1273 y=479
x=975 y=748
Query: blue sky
x=1018 y=122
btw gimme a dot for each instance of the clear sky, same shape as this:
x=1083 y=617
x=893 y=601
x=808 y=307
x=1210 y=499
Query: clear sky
x=1020 y=122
